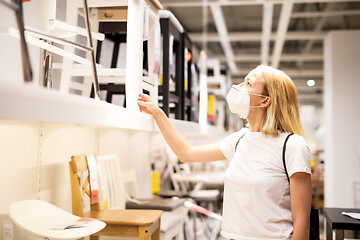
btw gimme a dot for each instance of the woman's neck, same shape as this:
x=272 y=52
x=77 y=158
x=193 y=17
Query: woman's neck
x=255 y=119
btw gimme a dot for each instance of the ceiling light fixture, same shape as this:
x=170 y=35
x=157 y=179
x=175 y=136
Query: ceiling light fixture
x=311 y=83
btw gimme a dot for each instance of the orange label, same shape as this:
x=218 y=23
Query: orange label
x=94 y=196
x=85 y=219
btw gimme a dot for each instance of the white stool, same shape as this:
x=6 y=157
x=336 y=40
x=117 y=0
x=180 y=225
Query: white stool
x=44 y=221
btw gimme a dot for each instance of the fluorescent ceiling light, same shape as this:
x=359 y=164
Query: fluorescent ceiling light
x=311 y=83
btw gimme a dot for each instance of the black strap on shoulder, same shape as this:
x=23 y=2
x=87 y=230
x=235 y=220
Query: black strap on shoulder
x=283 y=156
x=314 y=213
x=237 y=143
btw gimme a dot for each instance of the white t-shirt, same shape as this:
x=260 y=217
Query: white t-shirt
x=256 y=192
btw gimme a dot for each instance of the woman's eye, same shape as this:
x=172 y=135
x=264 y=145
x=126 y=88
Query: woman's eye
x=248 y=83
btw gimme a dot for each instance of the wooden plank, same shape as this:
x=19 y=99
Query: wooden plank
x=127 y=217
x=144 y=232
x=79 y=163
x=77 y=207
x=119 y=230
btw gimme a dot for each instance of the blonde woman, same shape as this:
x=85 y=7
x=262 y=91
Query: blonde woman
x=259 y=202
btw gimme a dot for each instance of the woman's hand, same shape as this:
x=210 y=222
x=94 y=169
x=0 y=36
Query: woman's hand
x=146 y=105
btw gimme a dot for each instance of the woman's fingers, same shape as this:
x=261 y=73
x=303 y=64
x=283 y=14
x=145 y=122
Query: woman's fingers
x=144 y=105
x=144 y=97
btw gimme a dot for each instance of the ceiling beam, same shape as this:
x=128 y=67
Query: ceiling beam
x=294 y=74
x=266 y=32
x=282 y=28
x=302 y=90
x=319 y=25
x=299 y=82
x=242 y=2
x=325 y=13
x=284 y=57
x=224 y=39
x=256 y=36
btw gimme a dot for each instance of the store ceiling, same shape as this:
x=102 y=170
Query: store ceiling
x=252 y=33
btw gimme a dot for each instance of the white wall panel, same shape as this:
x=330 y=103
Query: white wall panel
x=18 y=171
x=18 y=157
x=341 y=116
x=115 y=141
x=58 y=143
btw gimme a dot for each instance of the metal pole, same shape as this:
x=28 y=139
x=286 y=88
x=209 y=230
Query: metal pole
x=27 y=71
x=17 y=7
x=87 y=22
x=57 y=40
x=12 y=6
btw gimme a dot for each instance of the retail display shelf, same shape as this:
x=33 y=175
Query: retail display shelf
x=21 y=101
x=33 y=103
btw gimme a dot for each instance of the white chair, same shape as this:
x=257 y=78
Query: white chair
x=116 y=181
x=43 y=220
x=136 y=14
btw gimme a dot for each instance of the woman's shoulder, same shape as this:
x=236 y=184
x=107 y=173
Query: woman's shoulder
x=240 y=132
x=244 y=130
x=235 y=136
x=297 y=141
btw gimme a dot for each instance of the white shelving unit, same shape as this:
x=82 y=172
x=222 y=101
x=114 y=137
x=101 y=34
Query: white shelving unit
x=44 y=105
x=42 y=128
x=26 y=102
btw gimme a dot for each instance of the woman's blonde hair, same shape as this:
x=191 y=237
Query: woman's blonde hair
x=283 y=112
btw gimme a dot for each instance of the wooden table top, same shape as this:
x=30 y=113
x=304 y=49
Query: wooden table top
x=126 y=217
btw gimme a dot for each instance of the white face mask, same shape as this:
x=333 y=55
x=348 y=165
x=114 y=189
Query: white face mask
x=238 y=100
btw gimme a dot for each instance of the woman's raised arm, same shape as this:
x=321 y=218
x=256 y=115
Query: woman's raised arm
x=184 y=151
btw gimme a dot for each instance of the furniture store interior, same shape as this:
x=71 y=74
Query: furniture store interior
x=179 y=119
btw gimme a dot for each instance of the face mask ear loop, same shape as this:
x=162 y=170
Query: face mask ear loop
x=259 y=95
x=258 y=106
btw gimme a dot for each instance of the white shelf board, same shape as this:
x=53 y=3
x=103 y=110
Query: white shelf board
x=33 y=103
x=22 y=101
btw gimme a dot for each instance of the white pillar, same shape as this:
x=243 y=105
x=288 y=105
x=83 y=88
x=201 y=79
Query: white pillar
x=341 y=116
x=134 y=54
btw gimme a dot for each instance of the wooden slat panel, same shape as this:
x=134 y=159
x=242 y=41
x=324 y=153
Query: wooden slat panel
x=77 y=207
x=79 y=163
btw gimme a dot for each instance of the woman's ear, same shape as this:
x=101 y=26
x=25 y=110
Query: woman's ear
x=266 y=102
